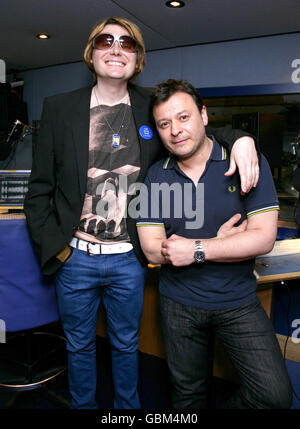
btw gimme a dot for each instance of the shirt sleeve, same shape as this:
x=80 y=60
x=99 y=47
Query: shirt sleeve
x=263 y=198
x=227 y=136
x=149 y=209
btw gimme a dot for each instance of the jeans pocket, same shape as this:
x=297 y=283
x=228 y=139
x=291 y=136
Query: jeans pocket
x=131 y=255
x=69 y=260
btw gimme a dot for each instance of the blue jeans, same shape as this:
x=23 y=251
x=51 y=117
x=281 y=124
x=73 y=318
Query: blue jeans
x=117 y=279
x=249 y=339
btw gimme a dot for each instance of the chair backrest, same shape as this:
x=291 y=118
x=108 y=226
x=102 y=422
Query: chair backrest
x=27 y=298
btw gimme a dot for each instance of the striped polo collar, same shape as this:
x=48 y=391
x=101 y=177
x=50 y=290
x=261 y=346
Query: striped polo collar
x=218 y=153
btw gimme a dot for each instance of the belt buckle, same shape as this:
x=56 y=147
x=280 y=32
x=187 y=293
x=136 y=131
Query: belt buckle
x=89 y=251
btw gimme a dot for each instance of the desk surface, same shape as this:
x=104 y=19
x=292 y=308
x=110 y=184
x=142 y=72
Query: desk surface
x=282 y=263
x=5 y=216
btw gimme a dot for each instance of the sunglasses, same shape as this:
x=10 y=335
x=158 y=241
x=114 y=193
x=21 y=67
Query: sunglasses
x=103 y=42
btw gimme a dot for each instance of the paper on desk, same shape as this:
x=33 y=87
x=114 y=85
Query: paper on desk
x=284 y=247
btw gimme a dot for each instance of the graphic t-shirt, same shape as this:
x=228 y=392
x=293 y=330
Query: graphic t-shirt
x=114 y=164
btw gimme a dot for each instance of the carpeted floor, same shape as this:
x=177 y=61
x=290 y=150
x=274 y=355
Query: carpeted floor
x=154 y=387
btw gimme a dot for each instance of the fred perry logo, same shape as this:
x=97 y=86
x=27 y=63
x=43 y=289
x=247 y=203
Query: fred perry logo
x=231 y=188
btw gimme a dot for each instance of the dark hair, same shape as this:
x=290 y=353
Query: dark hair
x=164 y=90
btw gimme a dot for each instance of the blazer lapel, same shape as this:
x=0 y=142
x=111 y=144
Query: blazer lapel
x=139 y=104
x=80 y=128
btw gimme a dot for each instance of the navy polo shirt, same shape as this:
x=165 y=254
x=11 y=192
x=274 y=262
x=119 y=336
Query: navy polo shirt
x=171 y=200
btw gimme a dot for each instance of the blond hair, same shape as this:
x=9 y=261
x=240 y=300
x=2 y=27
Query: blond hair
x=132 y=29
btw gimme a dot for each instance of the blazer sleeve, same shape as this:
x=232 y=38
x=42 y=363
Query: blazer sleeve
x=227 y=136
x=38 y=204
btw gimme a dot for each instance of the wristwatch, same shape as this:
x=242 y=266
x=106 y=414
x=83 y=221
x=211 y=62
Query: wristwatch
x=199 y=253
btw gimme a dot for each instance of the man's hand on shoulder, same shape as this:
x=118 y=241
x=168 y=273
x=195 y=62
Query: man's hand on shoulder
x=244 y=157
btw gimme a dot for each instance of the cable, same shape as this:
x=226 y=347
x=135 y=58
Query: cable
x=283 y=283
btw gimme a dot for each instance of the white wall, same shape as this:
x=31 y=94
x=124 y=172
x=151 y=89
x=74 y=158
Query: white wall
x=41 y=83
x=257 y=61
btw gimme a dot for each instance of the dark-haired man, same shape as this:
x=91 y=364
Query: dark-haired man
x=206 y=279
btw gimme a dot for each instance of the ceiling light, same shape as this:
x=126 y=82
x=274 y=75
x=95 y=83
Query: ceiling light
x=175 y=4
x=43 y=36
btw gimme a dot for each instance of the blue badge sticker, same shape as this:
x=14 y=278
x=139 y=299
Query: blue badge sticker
x=146 y=132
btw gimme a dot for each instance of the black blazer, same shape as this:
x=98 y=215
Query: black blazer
x=57 y=183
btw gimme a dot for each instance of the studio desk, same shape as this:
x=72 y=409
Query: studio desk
x=281 y=264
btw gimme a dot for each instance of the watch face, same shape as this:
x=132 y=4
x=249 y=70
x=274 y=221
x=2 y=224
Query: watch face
x=199 y=256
